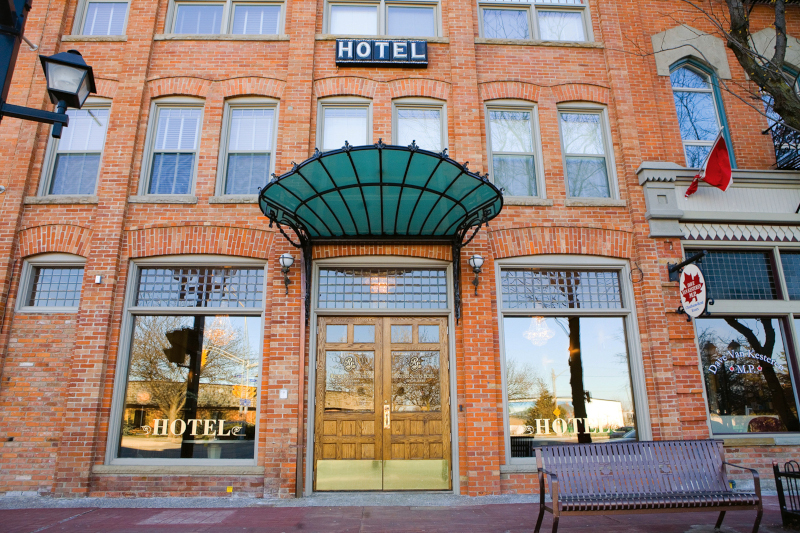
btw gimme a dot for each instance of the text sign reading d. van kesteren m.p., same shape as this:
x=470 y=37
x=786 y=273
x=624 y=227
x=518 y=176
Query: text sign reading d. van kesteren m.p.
x=382 y=52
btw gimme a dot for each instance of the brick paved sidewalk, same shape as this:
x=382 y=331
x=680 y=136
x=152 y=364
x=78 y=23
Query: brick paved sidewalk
x=267 y=518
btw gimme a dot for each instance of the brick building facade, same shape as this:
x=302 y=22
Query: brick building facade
x=605 y=69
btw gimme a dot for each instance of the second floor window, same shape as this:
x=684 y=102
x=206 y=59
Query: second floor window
x=342 y=123
x=174 y=150
x=546 y=20
x=74 y=163
x=102 y=18
x=696 y=105
x=585 y=160
x=511 y=144
x=384 y=18
x=238 y=18
x=423 y=124
x=249 y=144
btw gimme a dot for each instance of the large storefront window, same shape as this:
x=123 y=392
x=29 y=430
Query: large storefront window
x=747 y=375
x=747 y=347
x=194 y=368
x=567 y=373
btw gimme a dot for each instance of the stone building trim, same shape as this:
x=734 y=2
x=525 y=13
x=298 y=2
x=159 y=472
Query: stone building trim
x=509 y=90
x=739 y=232
x=242 y=242
x=764 y=44
x=62 y=238
x=684 y=41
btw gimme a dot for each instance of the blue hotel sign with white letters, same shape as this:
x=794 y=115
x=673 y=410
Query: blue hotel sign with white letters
x=387 y=52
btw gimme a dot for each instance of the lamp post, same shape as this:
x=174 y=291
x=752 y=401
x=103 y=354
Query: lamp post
x=69 y=79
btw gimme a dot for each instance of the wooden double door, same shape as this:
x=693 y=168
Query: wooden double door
x=382 y=404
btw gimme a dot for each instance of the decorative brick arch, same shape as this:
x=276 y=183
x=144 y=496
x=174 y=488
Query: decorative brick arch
x=106 y=88
x=517 y=90
x=179 y=86
x=571 y=92
x=252 y=86
x=419 y=87
x=560 y=240
x=61 y=238
x=242 y=242
x=442 y=252
x=345 y=86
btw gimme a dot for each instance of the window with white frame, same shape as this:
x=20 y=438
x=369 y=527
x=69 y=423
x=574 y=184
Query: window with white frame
x=344 y=120
x=51 y=282
x=546 y=20
x=585 y=151
x=747 y=348
x=384 y=17
x=101 y=17
x=237 y=18
x=698 y=112
x=567 y=363
x=192 y=370
x=420 y=121
x=248 y=144
x=72 y=163
x=174 y=139
x=513 y=148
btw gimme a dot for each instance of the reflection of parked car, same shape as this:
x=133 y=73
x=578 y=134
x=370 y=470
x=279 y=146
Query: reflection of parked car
x=620 y=432
x=630 y=436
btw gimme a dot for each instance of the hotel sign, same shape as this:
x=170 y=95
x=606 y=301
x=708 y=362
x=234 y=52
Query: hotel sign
x=389 y=53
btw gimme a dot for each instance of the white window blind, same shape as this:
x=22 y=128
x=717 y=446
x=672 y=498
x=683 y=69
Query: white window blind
x=105 y=18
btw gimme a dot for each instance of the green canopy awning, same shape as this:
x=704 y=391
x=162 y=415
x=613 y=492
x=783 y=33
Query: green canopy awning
x=380 y=191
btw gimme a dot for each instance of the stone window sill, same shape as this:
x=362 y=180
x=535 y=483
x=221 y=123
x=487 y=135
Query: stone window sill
x=333 y=37
x=185 y=470
x=163 y=199
x=94 y=38
x=527 y=200
x=735 y=441
x=61 y=199
x=217 y=37
x=594 y=202
x=537 y=42
x=518 y=469
x=234 y=199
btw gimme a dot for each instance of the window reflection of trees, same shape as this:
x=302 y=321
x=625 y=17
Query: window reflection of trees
x=561 y=26
x=512 y=147
x=730 y=393
x=505 y=24
x=587 y=172
x=697 y=116
x=416 y=381
x=349 y=381
x=421 y=125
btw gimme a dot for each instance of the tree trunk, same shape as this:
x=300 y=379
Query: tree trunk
x=576 y=379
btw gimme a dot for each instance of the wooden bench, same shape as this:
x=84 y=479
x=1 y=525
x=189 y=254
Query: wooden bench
x=640 y=477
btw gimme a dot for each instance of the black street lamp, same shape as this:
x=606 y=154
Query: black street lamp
x=69 y=79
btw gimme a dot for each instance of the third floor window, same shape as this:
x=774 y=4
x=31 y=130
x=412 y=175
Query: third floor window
x=385 y=17
x=546 y=20
x=237 y=18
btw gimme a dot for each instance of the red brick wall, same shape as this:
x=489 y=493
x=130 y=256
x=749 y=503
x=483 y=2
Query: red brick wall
x=58 y=412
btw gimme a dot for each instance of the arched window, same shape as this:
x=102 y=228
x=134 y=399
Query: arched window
x=699 y=114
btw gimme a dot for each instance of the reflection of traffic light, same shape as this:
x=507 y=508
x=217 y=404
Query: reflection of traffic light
x=183 y=341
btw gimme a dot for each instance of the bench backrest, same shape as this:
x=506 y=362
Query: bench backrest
x=636 y=467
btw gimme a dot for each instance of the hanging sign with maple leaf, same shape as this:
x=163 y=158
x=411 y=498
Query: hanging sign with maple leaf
x=692 y=288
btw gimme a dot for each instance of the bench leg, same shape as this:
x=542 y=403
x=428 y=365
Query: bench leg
x=555 y=523
x=758 y=520
x=541 y=516
x=719 y=520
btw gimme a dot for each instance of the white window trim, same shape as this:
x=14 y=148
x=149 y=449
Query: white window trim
x=47 y=260
x=627 y=312
x=150 y=140
x=421 y=103
x=533 y=20
x=240 y=103
x=342 y=101
x=533 y=109
x=783 y=309
x=383 y=15
x=48 y=165
x=126 y=331
x=608 y=146
x=226 y=24
x=83 y=8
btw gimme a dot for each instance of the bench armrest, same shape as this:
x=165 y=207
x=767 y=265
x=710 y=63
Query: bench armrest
x=756 y=478
x=553 y=487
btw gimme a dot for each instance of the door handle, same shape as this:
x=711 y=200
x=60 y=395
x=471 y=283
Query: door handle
x=387 y=416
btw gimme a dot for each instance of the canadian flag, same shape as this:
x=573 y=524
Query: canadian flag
x=716 y=170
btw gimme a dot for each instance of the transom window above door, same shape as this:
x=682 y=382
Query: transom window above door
x=377 y=288
x=402 y=19
x=546 y=20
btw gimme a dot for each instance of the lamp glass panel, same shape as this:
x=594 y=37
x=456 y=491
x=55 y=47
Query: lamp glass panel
x=66 y=78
